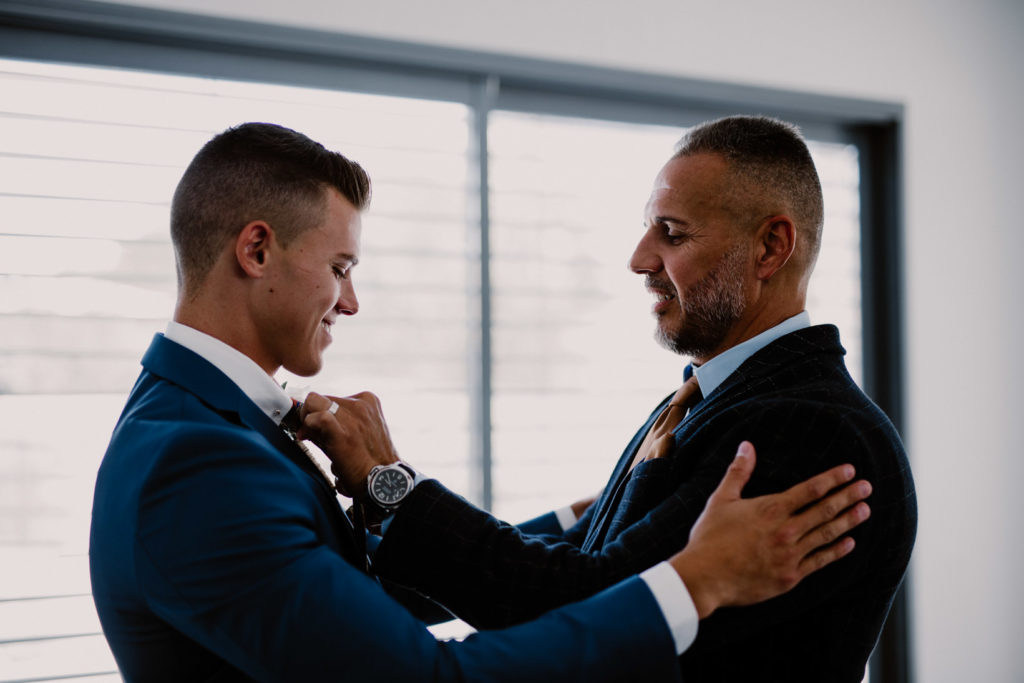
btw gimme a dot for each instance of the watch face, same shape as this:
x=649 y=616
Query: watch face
x=390 y=486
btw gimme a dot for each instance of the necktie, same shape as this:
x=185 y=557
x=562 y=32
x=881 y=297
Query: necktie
x=659 y=441
x=290 y=423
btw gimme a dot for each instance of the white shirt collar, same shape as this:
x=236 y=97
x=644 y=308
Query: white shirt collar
x=240 y=369
x=715 y=371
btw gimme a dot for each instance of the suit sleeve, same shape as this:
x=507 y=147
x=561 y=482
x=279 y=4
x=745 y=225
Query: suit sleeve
x=490 y=574
x=796 y=440
x=550 y=529
x=545 y=525
x=485 y=571
x=228 y=555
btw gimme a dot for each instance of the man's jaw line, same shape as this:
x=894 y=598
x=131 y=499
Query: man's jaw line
x=665 y=293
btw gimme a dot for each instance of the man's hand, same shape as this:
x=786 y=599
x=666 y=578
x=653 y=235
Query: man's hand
x=743 y=551
x=354 y=436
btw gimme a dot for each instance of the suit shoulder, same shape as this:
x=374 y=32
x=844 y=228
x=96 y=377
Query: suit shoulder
x=805 y=432
x=810 y=387
x=166 y=431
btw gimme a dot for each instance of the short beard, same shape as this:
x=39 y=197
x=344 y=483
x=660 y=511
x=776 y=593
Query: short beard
x=710 y=309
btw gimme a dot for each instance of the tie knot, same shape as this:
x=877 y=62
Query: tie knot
x=291 y=420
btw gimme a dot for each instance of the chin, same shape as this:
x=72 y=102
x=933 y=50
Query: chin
x=306 y=367
x=666 y=334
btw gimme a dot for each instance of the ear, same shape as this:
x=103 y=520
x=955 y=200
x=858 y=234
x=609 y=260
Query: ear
x=776 y=240
x=251 y=248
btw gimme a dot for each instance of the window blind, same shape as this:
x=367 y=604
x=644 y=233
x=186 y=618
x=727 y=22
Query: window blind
x=89 y=159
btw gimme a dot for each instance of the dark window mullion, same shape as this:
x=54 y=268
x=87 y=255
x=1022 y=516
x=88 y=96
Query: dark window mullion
x=881 y=256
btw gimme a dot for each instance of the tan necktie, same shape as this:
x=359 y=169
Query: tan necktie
x=658 y=442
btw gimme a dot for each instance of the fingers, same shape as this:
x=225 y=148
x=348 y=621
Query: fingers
x=321 y=417
x=834 y=528
x=825 y=556
x=314 y=403
x=829 y=508
x=314 y=416
x=365 y=401
x=738 y=474
x=809 y=491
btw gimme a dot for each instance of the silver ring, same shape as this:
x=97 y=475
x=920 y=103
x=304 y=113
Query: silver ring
x=333 y=410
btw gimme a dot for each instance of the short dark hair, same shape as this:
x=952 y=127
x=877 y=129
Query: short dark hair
x=255 y=171
x=771 y=158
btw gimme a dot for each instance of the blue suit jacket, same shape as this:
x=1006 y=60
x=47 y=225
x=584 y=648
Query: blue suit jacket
x=218 y=553
x=796 y=402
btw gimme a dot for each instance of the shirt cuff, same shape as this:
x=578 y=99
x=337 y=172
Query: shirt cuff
x=675 y=602
x=566 y=517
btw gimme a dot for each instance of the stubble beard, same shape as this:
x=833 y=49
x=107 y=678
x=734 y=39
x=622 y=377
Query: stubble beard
x=710 y=309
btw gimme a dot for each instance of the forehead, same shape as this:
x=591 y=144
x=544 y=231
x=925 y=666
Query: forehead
x=696 y=183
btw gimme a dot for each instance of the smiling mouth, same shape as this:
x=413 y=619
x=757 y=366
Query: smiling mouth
x=326 y=325
x=662 y=300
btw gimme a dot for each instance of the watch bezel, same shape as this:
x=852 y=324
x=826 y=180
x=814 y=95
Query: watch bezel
x=376 y=472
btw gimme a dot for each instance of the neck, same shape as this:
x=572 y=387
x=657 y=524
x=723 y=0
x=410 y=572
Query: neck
x=752 y=324
x=220 y=319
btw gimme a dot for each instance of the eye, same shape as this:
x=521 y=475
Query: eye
x=340 y=272
x=673 y=234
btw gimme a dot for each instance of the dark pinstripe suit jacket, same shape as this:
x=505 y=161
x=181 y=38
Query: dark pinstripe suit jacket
x=796 y=402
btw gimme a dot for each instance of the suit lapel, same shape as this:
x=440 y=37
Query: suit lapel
x=749 y=379
x=612 y=494
x=195 y=374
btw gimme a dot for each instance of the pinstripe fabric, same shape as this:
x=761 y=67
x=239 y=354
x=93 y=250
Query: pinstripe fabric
x=796 y=402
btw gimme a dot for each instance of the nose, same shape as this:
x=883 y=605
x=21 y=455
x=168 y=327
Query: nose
x=645 y=257
x=347 y=303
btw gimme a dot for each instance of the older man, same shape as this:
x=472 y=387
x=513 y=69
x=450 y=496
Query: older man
x=732 y=230
x=218 y=550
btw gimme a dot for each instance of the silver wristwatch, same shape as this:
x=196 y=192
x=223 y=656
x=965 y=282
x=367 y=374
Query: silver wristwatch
x=389 y=485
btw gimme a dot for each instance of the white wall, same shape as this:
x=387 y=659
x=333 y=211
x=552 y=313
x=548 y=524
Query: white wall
x=955 y=65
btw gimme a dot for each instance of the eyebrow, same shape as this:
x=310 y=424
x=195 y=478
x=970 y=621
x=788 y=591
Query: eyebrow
x=669 y=219
x=352 y=260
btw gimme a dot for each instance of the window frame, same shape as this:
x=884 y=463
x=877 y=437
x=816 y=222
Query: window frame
x=103 y=34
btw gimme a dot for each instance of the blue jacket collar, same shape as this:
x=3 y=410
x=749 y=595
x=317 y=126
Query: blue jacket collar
x=193 y=373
